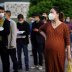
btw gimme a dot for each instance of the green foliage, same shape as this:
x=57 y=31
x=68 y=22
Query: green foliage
x=40 y=6
x=65 y=6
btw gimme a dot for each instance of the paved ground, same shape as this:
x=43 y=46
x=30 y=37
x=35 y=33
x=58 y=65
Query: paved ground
x=30 y=62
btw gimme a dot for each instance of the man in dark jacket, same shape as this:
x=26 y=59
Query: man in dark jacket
x=4 y=32
x=12 y=40
x=37 y=43
x=22 y=41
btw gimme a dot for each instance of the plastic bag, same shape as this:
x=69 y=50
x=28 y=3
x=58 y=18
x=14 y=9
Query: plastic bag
x=69 y=66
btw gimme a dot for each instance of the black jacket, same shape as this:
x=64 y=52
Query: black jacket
x=5 y=32
x=36 y=37
x=24 y=27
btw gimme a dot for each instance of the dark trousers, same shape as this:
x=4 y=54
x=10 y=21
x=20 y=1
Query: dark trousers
x=37 y=50
x=20 y=46
x=12 y=53
x=71 y=37
x=5 y=58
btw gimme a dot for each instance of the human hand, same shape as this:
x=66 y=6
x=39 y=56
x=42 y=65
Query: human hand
x=11 y=46
x=36 y=30
x=69 y=57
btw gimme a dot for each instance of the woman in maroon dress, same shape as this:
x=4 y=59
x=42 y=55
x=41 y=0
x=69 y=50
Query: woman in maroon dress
x=57 y=38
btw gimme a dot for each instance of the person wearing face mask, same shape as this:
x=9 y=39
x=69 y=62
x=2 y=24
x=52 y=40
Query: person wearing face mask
x=68 y=22
x=22 y=41
x=57 y=40
x=45 y=15
x=12 y=40
x=31 y=21
x=37 y=43
x=4 y=32
x=43 y=19
x=1 y=16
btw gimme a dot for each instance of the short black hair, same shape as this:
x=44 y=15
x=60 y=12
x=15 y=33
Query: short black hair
x=1 y=8
x=56 y=8
x=20 y=16
x=37 y=15
x=8 y=11
x=42 y=18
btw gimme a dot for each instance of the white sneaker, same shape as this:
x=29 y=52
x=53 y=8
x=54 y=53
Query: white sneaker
x=40 y=67
x=33 y=67
x=37 y=66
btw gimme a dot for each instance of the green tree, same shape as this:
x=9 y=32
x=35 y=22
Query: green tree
x=40 y=6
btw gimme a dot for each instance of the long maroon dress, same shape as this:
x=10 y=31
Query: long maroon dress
x=55 y=44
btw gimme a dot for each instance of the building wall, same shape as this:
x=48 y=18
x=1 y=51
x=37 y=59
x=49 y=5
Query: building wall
x=1 y=1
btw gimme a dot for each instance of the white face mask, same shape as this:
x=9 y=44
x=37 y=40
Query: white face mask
x=1 y=15
x=21 y=22
x=67 y=20
x=32 y=21
x=51 y=16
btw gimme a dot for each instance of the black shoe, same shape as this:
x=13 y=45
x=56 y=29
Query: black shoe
x=27 y=68
x=19 y=67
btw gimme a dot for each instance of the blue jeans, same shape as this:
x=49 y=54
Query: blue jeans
x=20 y=46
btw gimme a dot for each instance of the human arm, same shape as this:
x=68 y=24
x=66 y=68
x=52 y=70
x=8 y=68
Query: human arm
x=67 y=41
x=13 y=33
x=6 y=27
x=42 y=30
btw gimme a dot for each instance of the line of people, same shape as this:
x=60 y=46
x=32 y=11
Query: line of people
x=49 y=36
x=14 y=36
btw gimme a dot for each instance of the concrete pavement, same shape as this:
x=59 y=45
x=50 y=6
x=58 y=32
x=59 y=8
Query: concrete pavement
x=30 y=63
